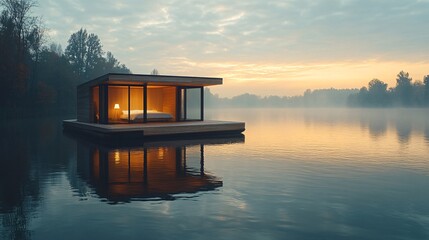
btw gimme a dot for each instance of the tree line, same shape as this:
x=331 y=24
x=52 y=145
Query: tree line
x=406 y=93
x=39 y=78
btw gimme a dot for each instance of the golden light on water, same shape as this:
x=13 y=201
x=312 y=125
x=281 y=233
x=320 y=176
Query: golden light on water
x=338 y=137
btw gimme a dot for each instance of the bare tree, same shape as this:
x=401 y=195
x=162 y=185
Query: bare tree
x=56 y=48
x=154 y=72
x=21 y=37
x=19 y=13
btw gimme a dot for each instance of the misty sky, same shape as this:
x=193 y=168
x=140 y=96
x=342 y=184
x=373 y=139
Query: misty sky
x=258 y=46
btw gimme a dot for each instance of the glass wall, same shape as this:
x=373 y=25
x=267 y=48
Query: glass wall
x=117 y=104
x=193 y=104
x=126 y=104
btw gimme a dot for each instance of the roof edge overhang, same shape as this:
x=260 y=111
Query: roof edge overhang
x=118 y=78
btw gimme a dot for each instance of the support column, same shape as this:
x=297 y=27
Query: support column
x=145 y=103
x=202 y=104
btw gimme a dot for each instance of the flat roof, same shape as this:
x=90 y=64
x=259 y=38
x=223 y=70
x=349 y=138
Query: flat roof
x=140 y=79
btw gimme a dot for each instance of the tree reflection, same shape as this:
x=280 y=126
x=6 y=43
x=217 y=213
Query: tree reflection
x=405 y=123
x=19 y=186
x=427 y=133
x=27 y=159
x=403 y=131
x=377 y=125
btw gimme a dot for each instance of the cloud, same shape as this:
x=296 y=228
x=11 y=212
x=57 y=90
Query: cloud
x=186 y=36
x=292 y=30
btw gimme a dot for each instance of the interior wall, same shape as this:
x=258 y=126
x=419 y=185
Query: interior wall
x=136 y=98
x=117 y=95
x=162 y=99
x=155 y=99
x=169 y=105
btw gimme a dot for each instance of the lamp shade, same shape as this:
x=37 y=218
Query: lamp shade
x=116 y=106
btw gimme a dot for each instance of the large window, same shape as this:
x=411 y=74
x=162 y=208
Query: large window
x=137 y=104
x=193 y=103
x=117 y=104
x=191 y=106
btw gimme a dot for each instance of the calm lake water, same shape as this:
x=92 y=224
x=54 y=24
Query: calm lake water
x=296 y=174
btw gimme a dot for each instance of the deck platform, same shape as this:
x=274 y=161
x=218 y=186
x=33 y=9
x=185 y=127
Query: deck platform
x=155 y=130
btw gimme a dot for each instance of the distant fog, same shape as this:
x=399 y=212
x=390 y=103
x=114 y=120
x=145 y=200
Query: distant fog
x=406 y=93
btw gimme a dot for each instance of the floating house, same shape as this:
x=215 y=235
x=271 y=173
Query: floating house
x=135 y=105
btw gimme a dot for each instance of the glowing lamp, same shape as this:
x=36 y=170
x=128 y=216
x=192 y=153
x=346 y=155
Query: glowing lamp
x=116 y=106
x=117 y=157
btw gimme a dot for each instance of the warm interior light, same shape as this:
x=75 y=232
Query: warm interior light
x=161 y=153
x=117 y=157
x=116 y=106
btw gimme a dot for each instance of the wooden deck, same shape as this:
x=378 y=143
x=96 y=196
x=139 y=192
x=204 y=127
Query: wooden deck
x=156 y=130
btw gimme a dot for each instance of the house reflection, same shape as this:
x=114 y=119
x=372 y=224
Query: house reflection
x=427 y=133
x=150 y=172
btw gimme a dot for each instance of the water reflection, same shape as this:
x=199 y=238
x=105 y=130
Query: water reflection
x=301 y=173
x=15 y=177
x=27 y=156
x=152 y=171
x=377 y=125
x=377 y=122
x=403 y=130
x=426 y=133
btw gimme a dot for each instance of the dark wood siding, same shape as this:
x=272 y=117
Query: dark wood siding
x=83 y=104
